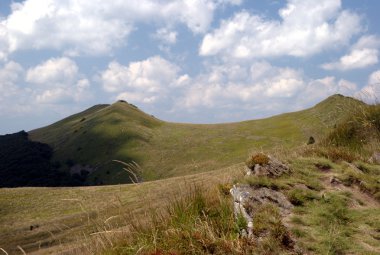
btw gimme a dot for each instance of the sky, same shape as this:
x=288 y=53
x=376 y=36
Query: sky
x=197 y=61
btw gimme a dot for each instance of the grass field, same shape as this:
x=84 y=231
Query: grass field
x=327 y=218
x=66 y=215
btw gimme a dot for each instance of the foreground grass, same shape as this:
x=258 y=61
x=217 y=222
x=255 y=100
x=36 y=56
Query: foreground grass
x=202 y=223
x=168 y=217
x=62 y=217
x=327 y=219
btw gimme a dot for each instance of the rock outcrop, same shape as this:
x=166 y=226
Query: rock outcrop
x=273 y=168
x=261 y=210
x=247 y=200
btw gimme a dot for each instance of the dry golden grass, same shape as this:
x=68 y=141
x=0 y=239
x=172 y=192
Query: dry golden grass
x=62 y=217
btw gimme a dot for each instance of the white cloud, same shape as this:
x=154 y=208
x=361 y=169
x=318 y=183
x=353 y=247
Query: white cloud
x=143 y=81
x=55 y=70
x=137 y=97
x=237 y=84
x=75 y=26
x=32 y=104
x=305 y=28
x=364 y=53
x=166 y=35
x=371 y=92
x=95 y=27
x=10 y=72
x=3 y=42
x=255 y=90
x=10 y=75
x=319 y=89
x=59 y=81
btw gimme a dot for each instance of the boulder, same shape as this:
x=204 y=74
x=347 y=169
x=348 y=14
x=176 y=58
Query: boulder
x=247 y=200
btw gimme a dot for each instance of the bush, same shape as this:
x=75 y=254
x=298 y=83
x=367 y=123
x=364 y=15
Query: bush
x=259 y=158
x=224 y=189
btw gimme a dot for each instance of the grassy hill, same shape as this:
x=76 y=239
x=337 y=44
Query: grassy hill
x=121 y=131
x=335 y=190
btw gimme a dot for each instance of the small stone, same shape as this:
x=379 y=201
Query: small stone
x=248 y=171
x=335 y=181
x=375 y=158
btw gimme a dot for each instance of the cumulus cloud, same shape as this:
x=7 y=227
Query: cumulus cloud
x=316 y=90
x=258 y=88
x=255 y=90
x=305 y=28
x=234 y=83
x=10 y=75
x=58 y=81
x=55 y=70
x=33 y=101
x=142 y=81
x=371 y=92
x=362 y=54
x=95 y=27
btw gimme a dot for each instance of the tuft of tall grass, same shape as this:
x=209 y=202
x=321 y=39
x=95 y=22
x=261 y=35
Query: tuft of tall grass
x=361 y=129
x=258 y=158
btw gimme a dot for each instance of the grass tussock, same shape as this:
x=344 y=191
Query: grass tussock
x=359 y=129
x=259 y=158
x=354 y=138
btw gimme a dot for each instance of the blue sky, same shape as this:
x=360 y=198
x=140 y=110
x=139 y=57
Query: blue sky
x=199 y=61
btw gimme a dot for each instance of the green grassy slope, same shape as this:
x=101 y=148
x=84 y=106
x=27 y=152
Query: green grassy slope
x=121 y=131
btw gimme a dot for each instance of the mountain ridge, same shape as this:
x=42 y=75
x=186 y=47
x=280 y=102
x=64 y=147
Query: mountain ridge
x=121 y=131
